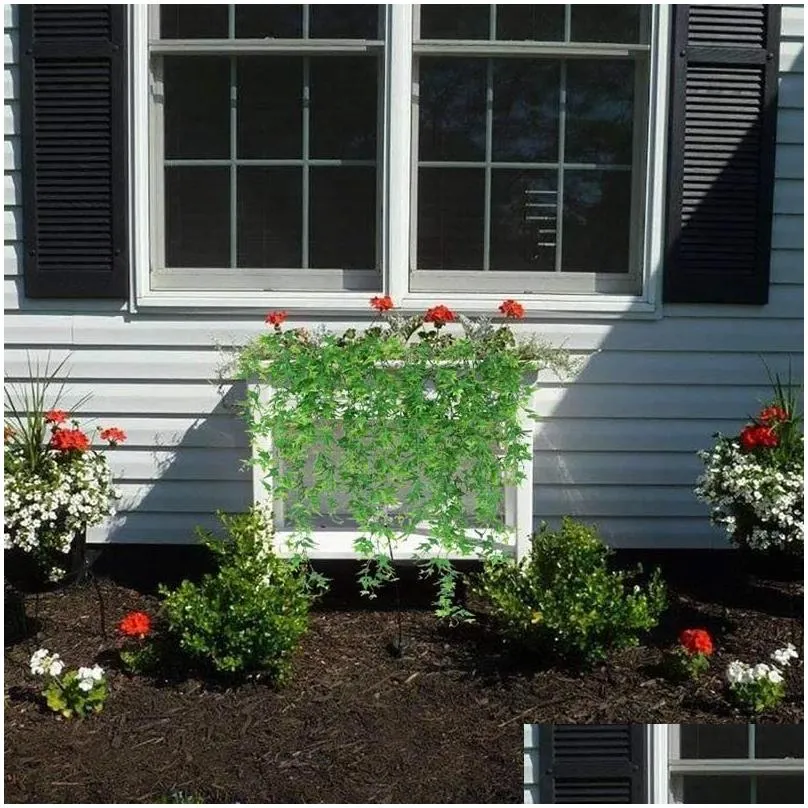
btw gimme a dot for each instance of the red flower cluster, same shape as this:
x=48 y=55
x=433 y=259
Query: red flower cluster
x=135 y=624
x=754 y=436
x=773 y=415
x=113 y=435
x=696 y=641
x=275 y=318
x=66 y=440
x=510 y=308
x=382 y=303
x=440 y=315
x=55 y=417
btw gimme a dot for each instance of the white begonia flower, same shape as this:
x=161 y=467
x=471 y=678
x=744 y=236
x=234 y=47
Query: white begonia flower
x=86 y=685
x=38 y=660
x=783 y=656
x=775 y=676
x=736 y=671
x=761 y=671
x=56 y=665
x=97 y=672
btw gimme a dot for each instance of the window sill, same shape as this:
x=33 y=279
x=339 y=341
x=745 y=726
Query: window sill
x=312 y=304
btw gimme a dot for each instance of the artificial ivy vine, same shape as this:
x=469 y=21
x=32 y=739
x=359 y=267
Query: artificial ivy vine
x=405 y=422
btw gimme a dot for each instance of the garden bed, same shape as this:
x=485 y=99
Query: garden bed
x=442 y=723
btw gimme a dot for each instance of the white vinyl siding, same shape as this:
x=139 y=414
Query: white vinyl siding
x=616 y=447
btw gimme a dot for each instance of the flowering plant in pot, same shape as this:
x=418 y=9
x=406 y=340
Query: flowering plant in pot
x=57 y=484
x=755 y=480
x=416 y=419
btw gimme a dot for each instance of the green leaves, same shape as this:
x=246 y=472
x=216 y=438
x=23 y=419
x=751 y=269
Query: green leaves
x=402 y=414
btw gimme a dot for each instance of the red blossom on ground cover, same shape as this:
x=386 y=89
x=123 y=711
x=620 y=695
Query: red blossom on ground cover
x=275 y=318
x=440 y=315
x=696 y=641
x=510 y=308
x=382 y=303
x=773 y=415
x=755 y=435
x=55 y=417
x=135 y=624
x=113 y=435
x=66 y=440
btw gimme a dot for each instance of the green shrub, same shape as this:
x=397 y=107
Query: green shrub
x=564 y=600
x=250 y=615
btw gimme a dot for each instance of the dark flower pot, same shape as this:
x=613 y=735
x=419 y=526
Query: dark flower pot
x=24 y=570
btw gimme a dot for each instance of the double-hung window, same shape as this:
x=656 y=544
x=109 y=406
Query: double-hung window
x=419 y=150
x=736 y=763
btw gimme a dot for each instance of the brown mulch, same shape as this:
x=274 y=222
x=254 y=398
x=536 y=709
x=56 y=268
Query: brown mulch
x=441 y=723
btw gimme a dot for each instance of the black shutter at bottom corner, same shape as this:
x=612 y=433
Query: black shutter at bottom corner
x=580 y=763
x=74 y=158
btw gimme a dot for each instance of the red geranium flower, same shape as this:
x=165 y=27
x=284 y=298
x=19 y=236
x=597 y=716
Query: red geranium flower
x=754 y=435
x=66 y=440
x=773 y=415
x=440 y=315
x=135 y=624
x=696 y=641
x=275 y=318
x=510 y=308
x=55 y=417
x=382 y=303
x=113 y=435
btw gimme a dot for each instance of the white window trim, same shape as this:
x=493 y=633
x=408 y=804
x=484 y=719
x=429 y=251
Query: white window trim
x=395 y=223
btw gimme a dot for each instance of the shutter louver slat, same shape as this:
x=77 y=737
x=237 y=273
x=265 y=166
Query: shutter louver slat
x=591 y=764
x=721 y=157
x=74 y=150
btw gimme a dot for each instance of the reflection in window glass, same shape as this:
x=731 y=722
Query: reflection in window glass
x=193 y=22
x=344 y=21
x=269 y=21
x=451 y=206
x=599 y=24
x=455 y=22
x=786 y=789
x=533 y=21
x=718 y=789
x=779 y=740
x=706 y=741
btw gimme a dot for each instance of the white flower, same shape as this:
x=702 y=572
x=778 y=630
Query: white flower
x=56 y=665
x=97 y=672
x=783 y=656
x=737 y=672
x=761 y=671
x=38 y=660
x=775 y=676
x=86 y=685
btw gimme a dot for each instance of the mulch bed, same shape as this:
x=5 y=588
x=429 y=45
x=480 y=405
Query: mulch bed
x=441 y=723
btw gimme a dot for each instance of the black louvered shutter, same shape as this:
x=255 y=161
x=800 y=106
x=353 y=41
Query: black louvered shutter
x=73 y=133
x=592 y=764
x=721 y=153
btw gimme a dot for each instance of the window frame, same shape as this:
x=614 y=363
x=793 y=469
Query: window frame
x=667 y=769
x=395 y=224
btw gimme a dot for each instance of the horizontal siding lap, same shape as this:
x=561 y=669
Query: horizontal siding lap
x=787 y=266
x=12 y=188
x=790 y=126
x=792 y=91
x=10 y=15
x=11 y=47
x=791 y=57
x=11 y=153
x=11 y=118
x=789 y=197
x=788 y=232
x=216 y=465
x=789 y=162
x=793 y=21
x=615 y=468
x=12 y=224
x=12 y=258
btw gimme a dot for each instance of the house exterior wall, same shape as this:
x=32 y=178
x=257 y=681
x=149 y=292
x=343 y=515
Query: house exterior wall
x=616 y=446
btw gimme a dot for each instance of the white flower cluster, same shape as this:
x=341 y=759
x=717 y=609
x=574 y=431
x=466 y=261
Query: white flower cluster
x=760 y=505
x=44 y=662
x=43 y=512
x=739 y=673
x=87 y=677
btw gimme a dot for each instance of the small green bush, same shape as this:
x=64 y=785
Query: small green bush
x=250 y=615
x=564 y=600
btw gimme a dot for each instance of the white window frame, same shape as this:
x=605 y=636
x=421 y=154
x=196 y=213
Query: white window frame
x=395 y=224
x=667 y=770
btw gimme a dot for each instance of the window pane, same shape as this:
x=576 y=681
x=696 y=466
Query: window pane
x=523 y=220
x=197 y=106
x=526 y=104
x=718 y=789
x=344 y=95
x=455 y=22
x=706 y=741
x=605 y=23
x=450 y=218
x=272 y=21
x=600 y=112
x=788 y=789
x=538 y=22
x=193 y=22
x=344 y=22
x=197 y=217
x=451 y=109
x=270 y=107
x=595 y=236
x=270 y=217
x=779 y=740
x=343 y=218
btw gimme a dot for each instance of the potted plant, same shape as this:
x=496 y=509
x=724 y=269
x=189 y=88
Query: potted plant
x=57 y=484
x=416 y=420
x=755 y=484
